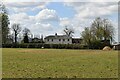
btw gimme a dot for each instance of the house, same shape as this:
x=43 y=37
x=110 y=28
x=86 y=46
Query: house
x=58 y=39
x=76 y=40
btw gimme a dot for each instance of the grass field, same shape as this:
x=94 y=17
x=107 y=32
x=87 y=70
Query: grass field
x=57 y=63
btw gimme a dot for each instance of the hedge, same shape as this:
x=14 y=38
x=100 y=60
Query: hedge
x=54 y=46
x=40 y=45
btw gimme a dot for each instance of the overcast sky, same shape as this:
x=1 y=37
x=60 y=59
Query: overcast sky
x=48 y=18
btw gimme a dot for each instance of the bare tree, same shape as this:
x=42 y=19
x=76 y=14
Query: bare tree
x=26 y=31
x=108 y=30
x=16 y=28
x=68 y=31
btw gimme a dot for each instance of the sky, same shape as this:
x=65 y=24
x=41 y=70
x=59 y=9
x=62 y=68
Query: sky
x=50 y=17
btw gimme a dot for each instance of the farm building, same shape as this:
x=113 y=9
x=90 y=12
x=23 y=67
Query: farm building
x=76 y=41
x=61 y=39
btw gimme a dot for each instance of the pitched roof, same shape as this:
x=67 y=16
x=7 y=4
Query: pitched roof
x=57 y=36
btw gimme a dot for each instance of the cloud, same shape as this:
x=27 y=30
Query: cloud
x=47 y=26
x=17 y=7
x=61 y=0
x=86 y=12
x=64 y=21
x=92 y=9
x=87 y=0
x=39 y=23
x=47 y=15
x=27 y=1
x=25 y=4
x=20 y=17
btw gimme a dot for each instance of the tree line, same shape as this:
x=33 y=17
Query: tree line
x=5 y=30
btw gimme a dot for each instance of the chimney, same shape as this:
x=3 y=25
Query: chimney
x=55 y=34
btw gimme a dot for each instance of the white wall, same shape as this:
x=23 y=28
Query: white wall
x=56 y=41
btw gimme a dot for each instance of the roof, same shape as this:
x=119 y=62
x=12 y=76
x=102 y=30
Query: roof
x=116 y=43
x=77 y=38
x=58 y=37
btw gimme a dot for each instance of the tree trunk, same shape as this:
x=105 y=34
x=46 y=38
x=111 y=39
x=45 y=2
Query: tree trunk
x=15 y=37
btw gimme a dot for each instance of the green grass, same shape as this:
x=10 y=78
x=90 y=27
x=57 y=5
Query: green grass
x=59 y=63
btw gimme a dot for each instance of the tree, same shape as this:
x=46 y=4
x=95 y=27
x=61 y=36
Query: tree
x=102 y=29
x=4 y=29
x=87 y=36
x=97 y=28
x=108 y=30
x=42 y=41
x=26 y=32
x=68 y=31
x=99 y=33
x=10 y=38
x=16 y=29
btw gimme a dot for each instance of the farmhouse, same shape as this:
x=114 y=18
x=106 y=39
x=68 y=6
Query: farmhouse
x=58 y=39
x=61 y=39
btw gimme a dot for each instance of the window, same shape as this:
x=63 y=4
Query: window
x=59 y=39
x=68 y=39
x=48 y=40
x=52 y=39
x=63 y=39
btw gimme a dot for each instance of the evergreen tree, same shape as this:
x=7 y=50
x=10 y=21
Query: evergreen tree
x=4 y=22
x=26 y=32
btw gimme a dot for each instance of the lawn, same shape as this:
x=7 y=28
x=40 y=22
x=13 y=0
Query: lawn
x=59 y=63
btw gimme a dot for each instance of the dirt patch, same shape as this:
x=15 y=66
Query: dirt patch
x=33 y=51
